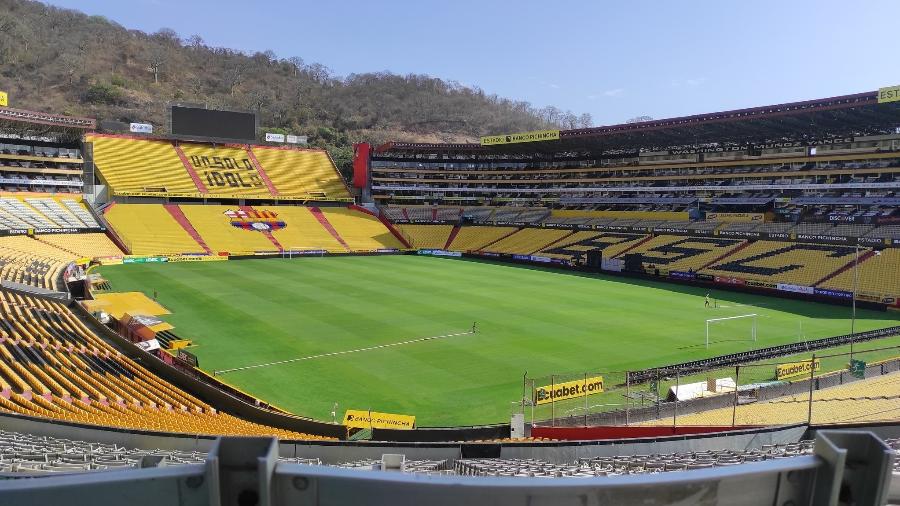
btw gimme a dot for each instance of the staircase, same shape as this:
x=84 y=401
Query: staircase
x=182 y=220
x=862 y=258
x=452 y=235
x=317 y=213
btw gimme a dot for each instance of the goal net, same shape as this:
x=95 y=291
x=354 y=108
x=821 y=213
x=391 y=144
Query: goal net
x=731 y=328
x=307 y=251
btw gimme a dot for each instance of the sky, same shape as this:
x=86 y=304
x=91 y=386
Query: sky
x=613 y=59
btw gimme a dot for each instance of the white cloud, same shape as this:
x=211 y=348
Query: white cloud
x=690 y=83
x=613 y=92
x=554 y=86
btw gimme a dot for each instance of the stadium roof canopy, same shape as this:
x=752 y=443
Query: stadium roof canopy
x=32 y=124
x=848 y=115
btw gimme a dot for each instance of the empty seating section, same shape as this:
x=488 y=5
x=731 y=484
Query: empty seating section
x=141 y=166
x=475 y=238
x=680 y=253
x=31 y=262
x=17 y=212
x=361 y=231
x=610 y=243
x=528 y=240
x=879 y=275
x=448 y=213
x=426 y=236
x=306 y=173
x=873 y=399
x=80 y=212
x=55 y=212
x=31 y=454
x=148 y=229
x=54 y=366
x=780 y=262
x=90 y=245
x=43 y=212
x=214 y=226
x=132 y=166
x=562 y=249
x=303 y=231
x=225 y=170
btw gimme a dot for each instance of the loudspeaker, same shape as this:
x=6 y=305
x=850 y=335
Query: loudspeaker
x=594 y=259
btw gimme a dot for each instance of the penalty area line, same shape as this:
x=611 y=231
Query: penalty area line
x=345 y=352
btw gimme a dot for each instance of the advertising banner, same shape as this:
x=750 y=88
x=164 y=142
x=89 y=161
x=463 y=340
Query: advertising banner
x=270 y=137
x=792 y=369
x=196 y=258
x=736 y=217
x=140 y=128
x=885 y=95
x=840 y=294
x=785 y=287
x=535 y=136
x=143 y=260
x=568 y=390
x=360 y=419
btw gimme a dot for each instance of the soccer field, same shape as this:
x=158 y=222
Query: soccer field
x=248 y=312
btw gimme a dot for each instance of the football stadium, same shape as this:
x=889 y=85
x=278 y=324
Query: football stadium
x=696 y=309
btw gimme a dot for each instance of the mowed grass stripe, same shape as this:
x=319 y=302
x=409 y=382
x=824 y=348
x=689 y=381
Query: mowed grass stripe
x=543 y=321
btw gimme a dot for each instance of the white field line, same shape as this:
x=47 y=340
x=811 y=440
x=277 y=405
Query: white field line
x=345 y=352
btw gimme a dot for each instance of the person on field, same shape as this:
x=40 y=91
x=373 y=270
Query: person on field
x=707 y=300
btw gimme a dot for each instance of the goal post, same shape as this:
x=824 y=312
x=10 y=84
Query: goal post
x=303 y=251
x=752 y=317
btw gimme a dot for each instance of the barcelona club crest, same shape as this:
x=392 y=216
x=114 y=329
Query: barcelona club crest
x=261 y=221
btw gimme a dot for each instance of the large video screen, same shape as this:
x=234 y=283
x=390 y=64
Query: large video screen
x=196 y=122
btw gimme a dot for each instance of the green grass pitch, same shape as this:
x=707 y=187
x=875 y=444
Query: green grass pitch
x=542 y=321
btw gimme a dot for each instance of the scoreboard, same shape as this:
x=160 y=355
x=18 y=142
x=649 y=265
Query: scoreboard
x=208 y=123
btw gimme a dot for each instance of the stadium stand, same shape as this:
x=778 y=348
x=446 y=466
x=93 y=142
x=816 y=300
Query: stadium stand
x=360 y=231
x=426 y=236
x=42 y=212
x=874 y=275
x=872 y=399
x=527 y=241
x=302 y=173
x=216 y=230
x=28 y=261
x=304 y=231
x=147 y=167
x=140 y=166
x=149 y=229
x=55 y=367
x=775 y=262
x=683 y=253
x=610 y=243
x=225 y=170
x=476 y=238
x=91 y=245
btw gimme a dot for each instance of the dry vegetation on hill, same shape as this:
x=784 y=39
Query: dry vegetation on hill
x=64 y=61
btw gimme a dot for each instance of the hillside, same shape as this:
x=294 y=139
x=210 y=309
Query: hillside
x=59 y=60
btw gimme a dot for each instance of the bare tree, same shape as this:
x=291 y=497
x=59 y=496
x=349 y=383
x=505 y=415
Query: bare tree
x=585 y=120
x=259 y=97
x=297 y=63
x=156 y=61
x=320 y=73
x=234 y=74
x=167 y=36
x=195 y=41
x=71 y=64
